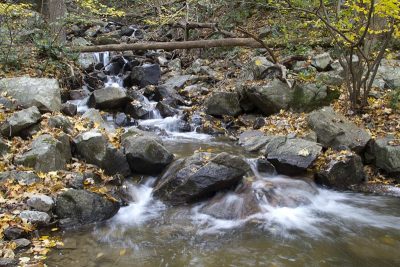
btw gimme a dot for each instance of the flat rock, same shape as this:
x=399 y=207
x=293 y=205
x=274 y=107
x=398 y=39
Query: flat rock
x=108 y=98
x=254 y=141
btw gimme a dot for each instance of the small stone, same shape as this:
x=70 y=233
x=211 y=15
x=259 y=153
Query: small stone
x=35 y=217
x=22 y=242
x=6 y=262
x=41 y=202
x=258 y=123
x=69 y=109
x=13 y=232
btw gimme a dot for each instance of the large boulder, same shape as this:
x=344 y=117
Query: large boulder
x=385 y=154
x=342 y=172
x=200 y=176
x=291 y=156
x=271 y=97
x=334 y=130
x=146 y=154
x=108 y=98
x=47 y=153
x=83 y=207
x=40 y=92
x=146 y=75
x=94 y=148
x=309 y=96
x=20 y=121
x=223 y=103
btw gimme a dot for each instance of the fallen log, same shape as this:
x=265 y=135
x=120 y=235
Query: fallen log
x=227 y=42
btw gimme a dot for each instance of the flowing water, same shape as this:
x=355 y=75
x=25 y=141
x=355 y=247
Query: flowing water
x=294 y=223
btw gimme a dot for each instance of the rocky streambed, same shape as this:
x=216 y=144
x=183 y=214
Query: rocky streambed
x=157 y=166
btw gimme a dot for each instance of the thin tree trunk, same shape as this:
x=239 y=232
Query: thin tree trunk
x=55 y=11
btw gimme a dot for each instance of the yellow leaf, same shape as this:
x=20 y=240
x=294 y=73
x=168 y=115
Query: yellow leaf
x=122 y=252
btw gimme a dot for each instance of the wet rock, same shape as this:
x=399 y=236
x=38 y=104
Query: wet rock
x=139 y=107
x=94 y=148
x=254 y=141
x=108 y=98
x=78 y=94
x=223 y=103
x=200 y=176
x=291 y=156
x=146 y=75
x=270 y=98
x=342 y=173
x=321 y=62
x=20 y=121
x=40 y=92
x=265 y=167
x=69 y=109
x=168 y=94
x=385 y=155
x=61 y=122
x=40 y=202
x=13 y=232
x=307 y=97
x=146 y=154
x=166 y=110
x=4 y=148
x=83 y=207
x=258 y=123
x=35 y=217
x=121 y=119
x=23 y=177
x=334 y=130
x=46 y=153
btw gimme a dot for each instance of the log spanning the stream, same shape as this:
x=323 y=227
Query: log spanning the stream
x=227 y=42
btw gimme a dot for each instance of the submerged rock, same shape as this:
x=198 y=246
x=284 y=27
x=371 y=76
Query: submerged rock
x=342 y=173
x=94 y=148
x=82 y=207
x=40 y=92
x=20 y=121
x=292 y=156
x=334 y=130
x=200 y=176
x=223 y=103
x=146 y=154
x=47 y=153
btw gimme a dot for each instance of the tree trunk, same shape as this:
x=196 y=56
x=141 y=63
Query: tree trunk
x=54 y=12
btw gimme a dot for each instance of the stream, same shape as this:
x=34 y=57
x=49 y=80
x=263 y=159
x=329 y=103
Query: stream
x=328 y=228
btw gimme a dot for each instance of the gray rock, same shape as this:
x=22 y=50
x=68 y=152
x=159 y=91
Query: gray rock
x=146 y=75
x=61 y=122
x=121 y=119
x=307 y=97
x=343 y=173
x=93 y=31
x=13 y=232
x=179 y=81
x=46 y=154
x=253 y=141
x=139 y=106
x=334 y=130
x=330 y=78
x=35 y=217
x=321 y=61
x=80 y=41
x=40 y=92
x=265 y=167
x=168 y=94
x=223 y=103
x=291 y=156
x=7 y=262
x=69 y=109
x=389 y=72
x=166 y=110
x=20 y=121
x=24 y=177
x=270 y=98
x=384 y=155
x=83 y=207
x=41 y=202
x=195 y=90
x=175 y=64
x=146 y=154
x=94 y=148
x=108 y=98
x=4 y=148
x=95 y=117
x=8 y=104
x=22 y=243
x=200 y=176
x=259 y=122
x=255 y=68
x=87 y=61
